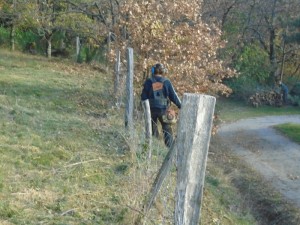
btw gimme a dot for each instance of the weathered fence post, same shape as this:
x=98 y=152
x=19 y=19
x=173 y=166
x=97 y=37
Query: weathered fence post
x=148 y=126
x=77 y=48
x=117 y=75
x=193 y=137
x=129 y=92
x=108 y=50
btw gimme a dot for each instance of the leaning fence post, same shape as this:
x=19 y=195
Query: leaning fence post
x=160 y=177
x=148 y=126
x=129 y=92
x=194 y=131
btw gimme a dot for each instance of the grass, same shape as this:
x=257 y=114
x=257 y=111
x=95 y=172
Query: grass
x=230 y=110
x=66 y=157
x=56 y=122
x=290 y=130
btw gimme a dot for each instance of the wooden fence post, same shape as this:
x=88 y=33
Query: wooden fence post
x=117 y=75
x=129 y=92
x=194 y=131
x=148 y=126
x=108 y=49
x=77 y=47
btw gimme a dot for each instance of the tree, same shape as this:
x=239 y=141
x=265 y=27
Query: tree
x=292 y=53
x=263 y=21
x=294 y=37
x=9 y=14
x=171 y=32
x=41 y=16
x=105 y=13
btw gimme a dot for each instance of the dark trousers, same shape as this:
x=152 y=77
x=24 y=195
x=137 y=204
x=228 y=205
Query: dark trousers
x=157 y=115
x=285 y=96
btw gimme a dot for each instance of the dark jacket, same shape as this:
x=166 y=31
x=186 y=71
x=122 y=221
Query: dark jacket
x=284 y=88
x=168 y=91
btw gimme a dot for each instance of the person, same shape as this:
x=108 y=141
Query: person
x=160 y=91
x=285 y=91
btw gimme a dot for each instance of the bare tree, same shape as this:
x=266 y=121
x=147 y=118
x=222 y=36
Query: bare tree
x=10 y=18
x=256 y=21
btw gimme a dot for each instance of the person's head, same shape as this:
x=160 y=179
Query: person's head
x=159 y=69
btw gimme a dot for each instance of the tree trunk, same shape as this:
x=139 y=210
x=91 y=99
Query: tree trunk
x=272 y=47
x=272 y=55
x=12 y=37
x=49 y=48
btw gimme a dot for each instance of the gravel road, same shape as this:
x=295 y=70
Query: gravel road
x=273 y=155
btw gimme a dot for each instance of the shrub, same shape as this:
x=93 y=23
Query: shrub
x=4 y=36
x=242 y=87
x=294 y=95
x=253 y=68
x=25 y=39
x=295 y=90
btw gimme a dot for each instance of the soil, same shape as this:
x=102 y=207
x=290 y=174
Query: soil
x=274 y=156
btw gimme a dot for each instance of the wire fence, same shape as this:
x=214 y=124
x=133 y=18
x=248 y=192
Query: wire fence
x=158 y=186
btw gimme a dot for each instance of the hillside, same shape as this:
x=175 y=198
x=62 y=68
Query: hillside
x=59 y=144
x=66 y=158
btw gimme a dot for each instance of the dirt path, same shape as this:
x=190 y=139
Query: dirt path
x=274 y=156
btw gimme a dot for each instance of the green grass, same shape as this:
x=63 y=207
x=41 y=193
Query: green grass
x=55 y=166
x=290 y=130
x=66 y=158
x=229 y=110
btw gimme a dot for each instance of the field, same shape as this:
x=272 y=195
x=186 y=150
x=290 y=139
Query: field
x=60 y=154
x=67 y=159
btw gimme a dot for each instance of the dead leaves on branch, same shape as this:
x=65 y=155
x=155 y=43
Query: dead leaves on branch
x=171 y=32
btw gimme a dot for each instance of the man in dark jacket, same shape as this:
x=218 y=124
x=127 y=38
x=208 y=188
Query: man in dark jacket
x=159 y=90
x=284 y=91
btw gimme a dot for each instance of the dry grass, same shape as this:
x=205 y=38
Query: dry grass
x=67 y=159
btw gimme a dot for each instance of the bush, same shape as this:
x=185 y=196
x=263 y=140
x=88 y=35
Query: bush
x=294 y=94
x=242 y=87
x=4 y=36
x=295 y=89
x=253 y=68
x=295 y=100
x=87 y=54
x=90 y=54
x=26 y=39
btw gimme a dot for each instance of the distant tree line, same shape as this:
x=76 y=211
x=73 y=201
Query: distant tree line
x=262 y=40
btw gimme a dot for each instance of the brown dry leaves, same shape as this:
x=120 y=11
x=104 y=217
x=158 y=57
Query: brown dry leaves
x=171 y=32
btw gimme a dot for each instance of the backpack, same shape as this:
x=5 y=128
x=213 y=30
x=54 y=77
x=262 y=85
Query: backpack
x=159 y=100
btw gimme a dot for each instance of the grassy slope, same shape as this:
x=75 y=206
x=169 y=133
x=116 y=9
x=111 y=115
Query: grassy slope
x=58 y=154
x=64 y=153
x=64 y=157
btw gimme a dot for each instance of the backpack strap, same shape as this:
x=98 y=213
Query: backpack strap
x=163 y=79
